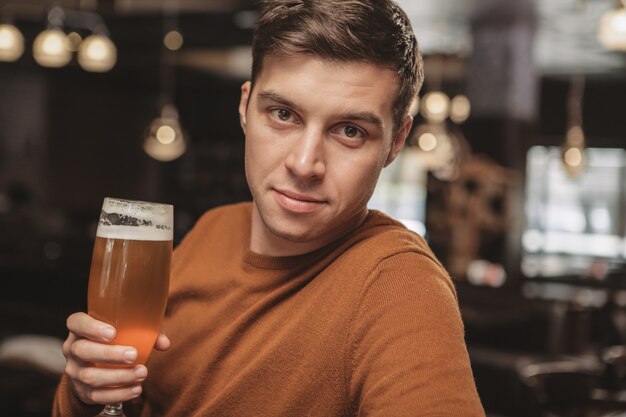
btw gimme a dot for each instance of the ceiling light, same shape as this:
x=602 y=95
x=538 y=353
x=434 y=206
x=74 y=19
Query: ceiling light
x=612 y=29
x=573 y=157
x=439 y=149
x=165 y=139
x=435 y=106
x=11 y=43
x=97 y=53
x=173 y=40
x=165 y=134
x=460 y=109
x=573 y=148
x=427 y=141
x=573 y=151
x=51 y=48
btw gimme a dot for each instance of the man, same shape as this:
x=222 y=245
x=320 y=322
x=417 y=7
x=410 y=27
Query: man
x=301 y=303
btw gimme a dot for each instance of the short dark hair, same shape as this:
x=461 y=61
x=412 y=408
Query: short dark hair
x=373 y=31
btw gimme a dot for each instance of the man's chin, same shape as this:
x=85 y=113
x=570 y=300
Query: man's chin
x=295 y=237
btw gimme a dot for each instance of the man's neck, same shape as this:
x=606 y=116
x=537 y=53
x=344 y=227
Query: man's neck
x=264 y=242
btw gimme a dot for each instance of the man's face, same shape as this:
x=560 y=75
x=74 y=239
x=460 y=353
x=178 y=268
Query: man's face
x=317 y=136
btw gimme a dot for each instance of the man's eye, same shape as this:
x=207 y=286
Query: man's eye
x=350 y=131
x=282 y=114
x=350 y=135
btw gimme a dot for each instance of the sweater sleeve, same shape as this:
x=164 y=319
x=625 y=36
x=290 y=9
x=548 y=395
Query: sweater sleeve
x=67 y=404
x=407 y=354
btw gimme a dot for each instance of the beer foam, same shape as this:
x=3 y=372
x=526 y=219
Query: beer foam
x=133 y=233
x=135 y=220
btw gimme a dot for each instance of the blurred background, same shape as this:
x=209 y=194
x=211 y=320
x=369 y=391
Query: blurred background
x=514 y=173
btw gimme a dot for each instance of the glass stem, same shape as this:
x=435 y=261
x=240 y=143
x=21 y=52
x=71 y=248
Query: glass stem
x=112 y=410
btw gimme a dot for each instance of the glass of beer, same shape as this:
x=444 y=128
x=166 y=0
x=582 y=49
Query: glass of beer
x=129 y=277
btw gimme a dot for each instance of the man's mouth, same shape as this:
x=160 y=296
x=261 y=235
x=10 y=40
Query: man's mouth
x=298 y=202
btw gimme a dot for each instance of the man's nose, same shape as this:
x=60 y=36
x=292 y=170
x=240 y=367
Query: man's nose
x=306 y=158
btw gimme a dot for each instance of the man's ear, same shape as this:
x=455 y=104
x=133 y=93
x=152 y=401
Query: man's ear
x=399 y=139
x=243 y=104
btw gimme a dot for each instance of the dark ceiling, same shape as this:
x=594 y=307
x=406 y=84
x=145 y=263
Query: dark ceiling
x=564 y=40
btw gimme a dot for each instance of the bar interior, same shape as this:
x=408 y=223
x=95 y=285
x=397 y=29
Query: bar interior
x=514 y=172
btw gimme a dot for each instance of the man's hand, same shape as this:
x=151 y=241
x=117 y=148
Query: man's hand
x=86 y=346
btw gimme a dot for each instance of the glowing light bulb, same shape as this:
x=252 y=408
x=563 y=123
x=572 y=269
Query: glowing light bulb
x=173 y=40
x=427 y=142
x=51 y=48
x=165 y=140
x=97 y=54
x=573 y=157
x=165 y=134
x=11 y=43
x=460 y=109
x=612 y=30
x=436 y=106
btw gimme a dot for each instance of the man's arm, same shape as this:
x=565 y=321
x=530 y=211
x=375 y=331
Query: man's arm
x=408 y=354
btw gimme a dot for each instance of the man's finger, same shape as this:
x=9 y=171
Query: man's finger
x=114 y=395
x=162 y=342
x=87 y=351
x=83 y=325
x=95 y=378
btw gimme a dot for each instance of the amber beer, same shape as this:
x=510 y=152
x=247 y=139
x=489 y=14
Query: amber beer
x=130 y=267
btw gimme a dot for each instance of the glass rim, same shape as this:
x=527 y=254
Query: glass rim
x=139 y=202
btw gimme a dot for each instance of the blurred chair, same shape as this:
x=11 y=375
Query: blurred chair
x=563 y=388
x=614 y=358
x=30 y=368
x=610 y=396
x=523 y=384
x=499 y=384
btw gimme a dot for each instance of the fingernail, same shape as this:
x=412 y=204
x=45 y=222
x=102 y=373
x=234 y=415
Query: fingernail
x=130 y=355
x=108 y=333
x=136 y=390
x=141 y=372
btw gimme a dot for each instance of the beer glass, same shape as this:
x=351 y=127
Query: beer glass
x=129 y=276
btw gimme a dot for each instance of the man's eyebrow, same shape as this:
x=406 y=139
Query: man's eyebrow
x=363 y=117
x=272 y=96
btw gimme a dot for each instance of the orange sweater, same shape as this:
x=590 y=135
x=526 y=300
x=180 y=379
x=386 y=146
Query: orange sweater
x=368 y=326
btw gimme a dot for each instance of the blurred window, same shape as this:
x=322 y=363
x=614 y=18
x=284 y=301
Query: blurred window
x=574 y=225
x=401 y=191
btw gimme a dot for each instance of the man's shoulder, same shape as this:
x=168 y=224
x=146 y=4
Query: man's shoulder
x=384 y=241
x=382 y=234
x=228 y=210
x=226 y=213
x=384 y=251
x=219 y=223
